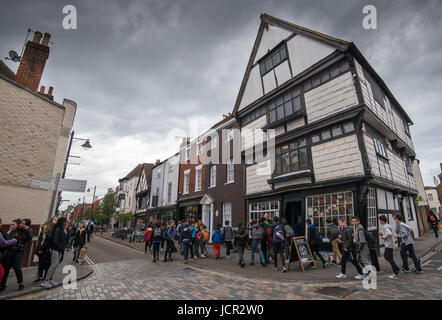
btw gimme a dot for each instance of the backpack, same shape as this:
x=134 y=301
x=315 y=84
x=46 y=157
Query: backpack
x=432 y=218
x=370 y=239
x=289 y=231
x=278 y=233
x=157 y=233
x=334 y=232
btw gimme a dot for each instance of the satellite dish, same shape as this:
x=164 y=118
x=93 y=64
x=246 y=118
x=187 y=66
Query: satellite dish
x=14 y=56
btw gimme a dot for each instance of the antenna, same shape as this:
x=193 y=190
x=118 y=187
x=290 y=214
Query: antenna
x=14 y=55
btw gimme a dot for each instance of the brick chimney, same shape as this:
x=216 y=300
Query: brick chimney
x=157 y=162
x=33 y=61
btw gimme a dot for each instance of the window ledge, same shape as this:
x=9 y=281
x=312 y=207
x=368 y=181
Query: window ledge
x=294 y=116
x=229 y=182
x=293 y=176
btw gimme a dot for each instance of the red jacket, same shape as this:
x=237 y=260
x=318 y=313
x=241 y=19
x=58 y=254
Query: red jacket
x=147 y=234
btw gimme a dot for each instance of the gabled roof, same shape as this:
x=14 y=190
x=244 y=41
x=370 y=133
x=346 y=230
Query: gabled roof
x=146 y=169
x=266 y=19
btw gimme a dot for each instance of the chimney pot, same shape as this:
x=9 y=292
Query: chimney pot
x=157 y=161
x=50 y=91
x=42 y=89
x=46 y=38
x=37 y=37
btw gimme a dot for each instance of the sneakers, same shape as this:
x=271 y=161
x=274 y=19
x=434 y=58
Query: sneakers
x=263 y=264
x=158 y=259
x=242 y=265
x=284 y=269
x=360 y=277
x=21 y=287
x=275 y=268
x=229 y=257
x=334 y=262
x=341 y=276
x=393 y=276
x=418 y=271
x=46 y=285
x=52 y=283
x=37 y=280
x=185 y=261
x=324 y=265
x=404 y=271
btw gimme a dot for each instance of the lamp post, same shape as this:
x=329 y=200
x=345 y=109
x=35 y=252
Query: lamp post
x=85 y=145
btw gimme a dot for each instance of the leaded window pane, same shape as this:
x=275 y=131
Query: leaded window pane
x=337 y=131
x=325 y=134
x=280 y=112
x=272 y=116
x=316 y=81
x=297 y=103
x=294 y=160
x=307 y=85
x=325 y=75
x=288 y=108
x=302 y=142
x=303 y=159
x=316 y=138
x=349 y=127
x=285 y=163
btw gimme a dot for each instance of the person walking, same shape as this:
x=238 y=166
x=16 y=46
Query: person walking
x=289 y=234
x=278 y=238
x=240 y=236
x=79 y=241
x=56 y=243
x=186 y=238
x=157 y=236
x=362 y=249
x=265 y=242
x=386 y=234
x=433 y=222
x=20 y=231
x=70 y=236
x=217 y=239
x=90 y=231
x=349 y=251
x=193 y=247
x=147 y=239
x=43 y=254
x=205 y=239
x=314 y=240
x=179 y=231
x=5 y=243
x=333 y=236
x=257 y=234
x=228 y=237
x=169 y=236
x=406 y=236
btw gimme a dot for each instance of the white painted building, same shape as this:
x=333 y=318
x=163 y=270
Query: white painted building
x=343 y=146
x=433 y=200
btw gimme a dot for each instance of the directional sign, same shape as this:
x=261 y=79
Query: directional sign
x=63 y=185
x=72 y=185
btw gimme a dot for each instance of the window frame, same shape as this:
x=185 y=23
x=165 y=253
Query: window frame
x=186 y=184
x=292 y=146
x=269 y=57
x=212 y=176
x=230 y=171
x=198 y=178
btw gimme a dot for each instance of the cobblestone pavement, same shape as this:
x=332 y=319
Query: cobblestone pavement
x=141 y=279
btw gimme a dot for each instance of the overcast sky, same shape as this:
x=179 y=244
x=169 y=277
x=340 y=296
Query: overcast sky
x=139 y=69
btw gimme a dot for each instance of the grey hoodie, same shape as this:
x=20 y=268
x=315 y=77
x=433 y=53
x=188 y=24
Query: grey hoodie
x=387 y=234
x=406 y=233
x=359 y=235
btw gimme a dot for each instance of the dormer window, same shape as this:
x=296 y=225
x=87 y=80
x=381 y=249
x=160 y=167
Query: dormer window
x=273 y=59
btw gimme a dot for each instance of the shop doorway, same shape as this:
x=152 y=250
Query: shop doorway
x=295 y=217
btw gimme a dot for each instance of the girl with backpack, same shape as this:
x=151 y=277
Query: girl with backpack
x=289 y=234
x=186 y=238
x=217 y=239
x=240 y=242
x=257 y=235
x=157 y=237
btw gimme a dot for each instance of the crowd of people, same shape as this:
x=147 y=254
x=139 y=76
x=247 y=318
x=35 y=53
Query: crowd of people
x=271 y=238
x=56 y=236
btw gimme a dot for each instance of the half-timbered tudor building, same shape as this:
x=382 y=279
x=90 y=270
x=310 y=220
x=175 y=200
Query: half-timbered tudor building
x=343 y=146
x=143 y=191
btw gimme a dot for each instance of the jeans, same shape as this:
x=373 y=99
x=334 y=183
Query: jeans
x=265 y=251
x=156 y=250
x=55 y=261
x=229 y=246
x=257 y=244
x=196 y=246
x=147 y=245
x=77 y=252
x=192 y=248
x=350 y=255
x=203 y=248
x=287 y=244
x=240 y=253
x=69 y=243
x=410 y=250
x=388 y=255
x=186 y=247
x=278 y=248
x=12 y=260
x=169 y=245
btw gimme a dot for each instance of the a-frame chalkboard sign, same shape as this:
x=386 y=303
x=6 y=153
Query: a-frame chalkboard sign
x=300 y=251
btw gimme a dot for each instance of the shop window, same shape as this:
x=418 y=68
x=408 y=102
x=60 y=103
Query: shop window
x=332 y=205
x=259 y=209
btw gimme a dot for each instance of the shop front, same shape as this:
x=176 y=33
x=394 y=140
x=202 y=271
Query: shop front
x=190 y=210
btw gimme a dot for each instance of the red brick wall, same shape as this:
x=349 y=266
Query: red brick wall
x=185 y=165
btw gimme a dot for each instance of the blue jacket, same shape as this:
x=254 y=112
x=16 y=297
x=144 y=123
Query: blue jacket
x=170 y=233
x=193 y=229
x=217 y=236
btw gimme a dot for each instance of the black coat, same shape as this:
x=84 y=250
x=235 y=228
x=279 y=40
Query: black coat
x=79 y=238
x=56 y=239
x=22 y=237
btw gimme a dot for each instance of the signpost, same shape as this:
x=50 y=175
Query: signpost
x=300 y=251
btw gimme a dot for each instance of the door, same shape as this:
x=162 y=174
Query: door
x=295 y=217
